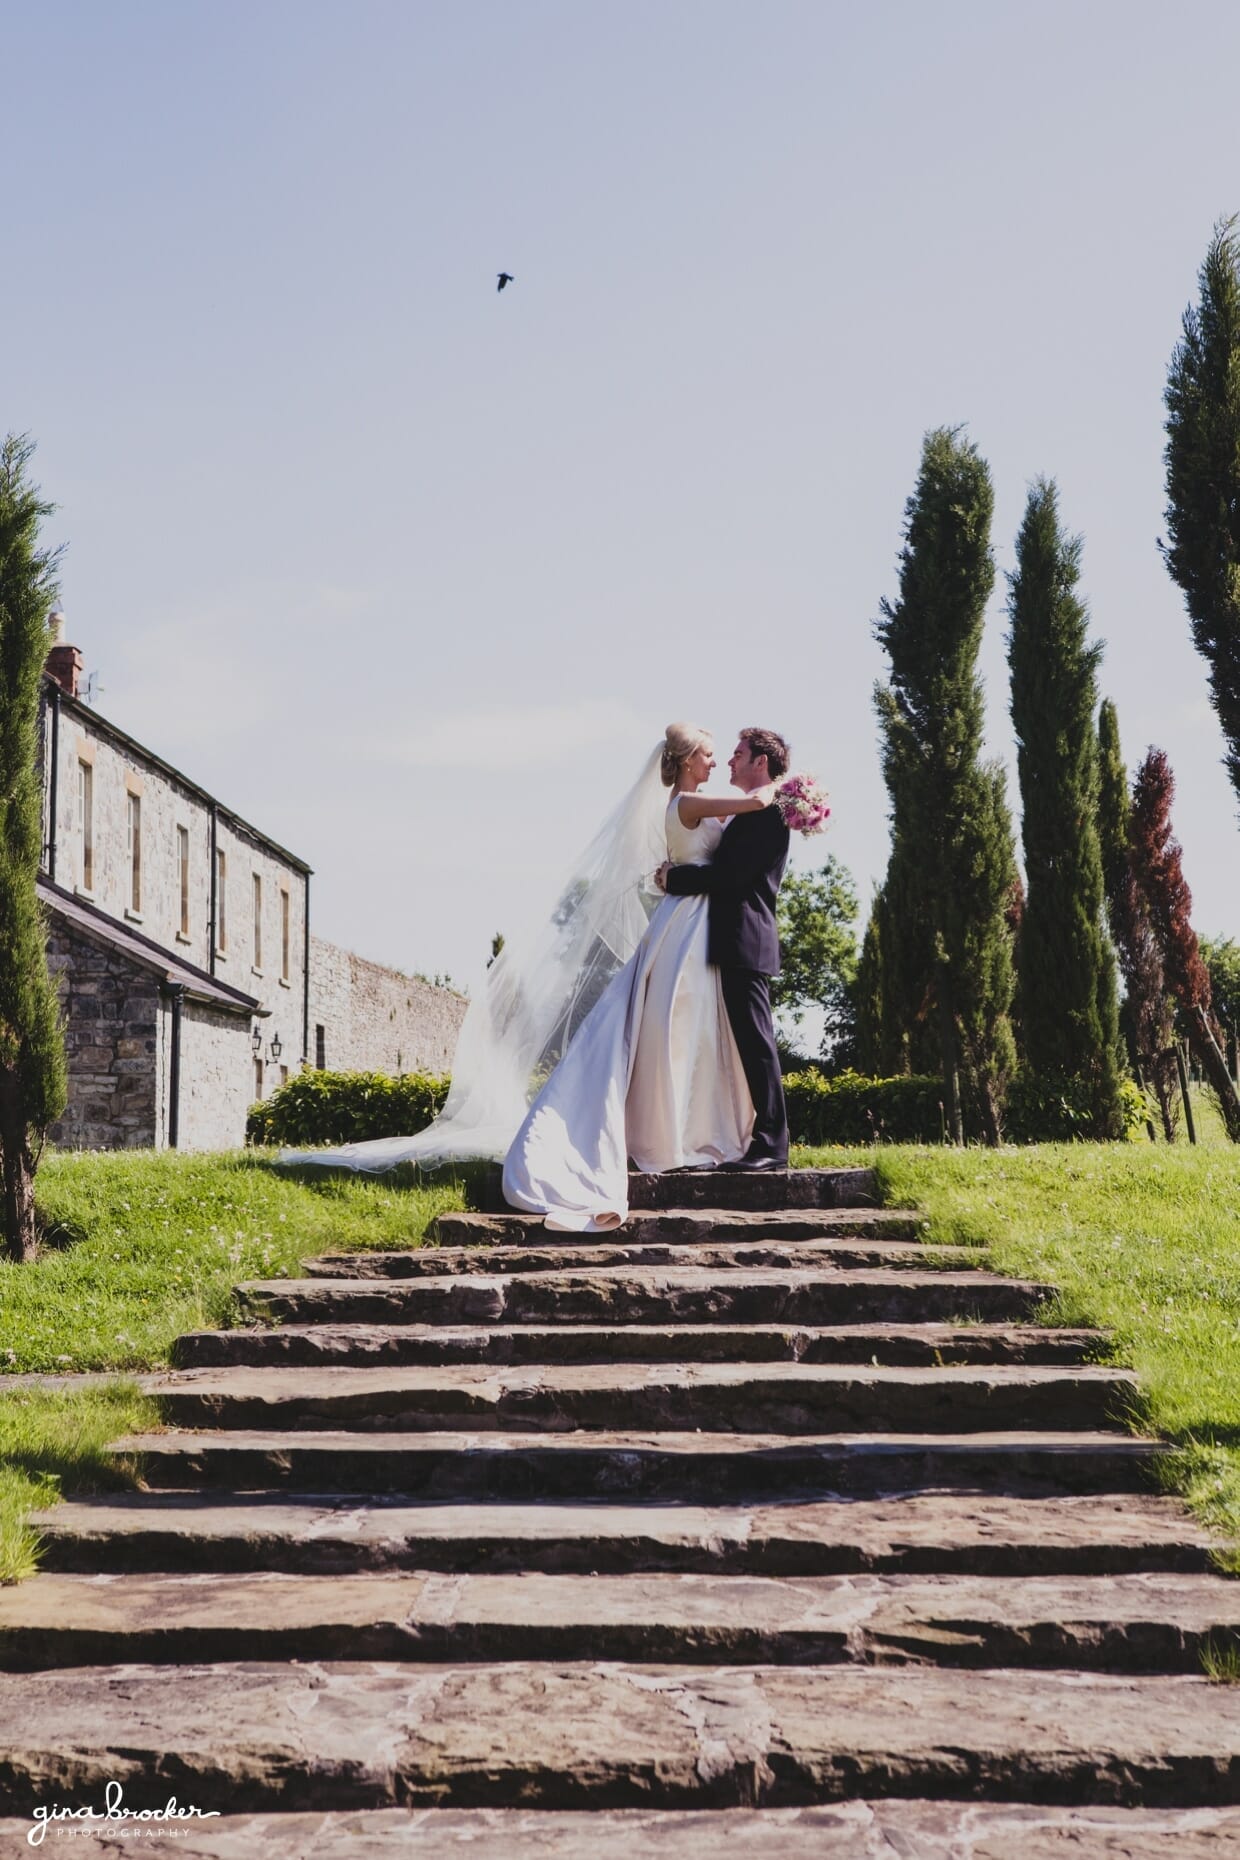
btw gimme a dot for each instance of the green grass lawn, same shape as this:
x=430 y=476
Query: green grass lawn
x=146 y=1246
x=1142 y=1239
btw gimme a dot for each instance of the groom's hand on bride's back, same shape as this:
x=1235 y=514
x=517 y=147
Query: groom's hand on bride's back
x=660 y=877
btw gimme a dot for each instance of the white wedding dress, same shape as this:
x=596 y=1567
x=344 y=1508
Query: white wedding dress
x=652 y=1072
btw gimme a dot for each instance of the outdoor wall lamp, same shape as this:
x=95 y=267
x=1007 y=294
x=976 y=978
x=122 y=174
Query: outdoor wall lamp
x=256 y=1039
x=276 y=1048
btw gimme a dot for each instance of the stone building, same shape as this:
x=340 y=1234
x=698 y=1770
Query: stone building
x=180 y=938
x=374 y=1019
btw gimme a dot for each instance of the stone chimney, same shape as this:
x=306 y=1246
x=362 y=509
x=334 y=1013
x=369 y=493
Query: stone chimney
x=64 y=663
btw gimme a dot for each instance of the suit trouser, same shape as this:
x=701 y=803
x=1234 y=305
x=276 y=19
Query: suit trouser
x=747 y=997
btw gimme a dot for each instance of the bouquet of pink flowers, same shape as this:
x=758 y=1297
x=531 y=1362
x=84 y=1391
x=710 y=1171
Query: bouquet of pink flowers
x=803 y=804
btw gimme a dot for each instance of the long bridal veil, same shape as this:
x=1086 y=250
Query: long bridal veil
x=536 y=993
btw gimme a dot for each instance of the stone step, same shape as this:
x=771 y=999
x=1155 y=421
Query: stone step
x=654 y=1295
x=679 y=1227
x=438 y=1262
x=932 y=1533
x=690 y=1468
x=354 y=1734
x=924 y=1345
x=844 y=1831
x=722 y=1188
x=774 y=1398
x=1147 y=1623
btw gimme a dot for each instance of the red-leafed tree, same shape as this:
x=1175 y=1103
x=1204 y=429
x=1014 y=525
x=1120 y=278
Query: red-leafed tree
x=1157 y=859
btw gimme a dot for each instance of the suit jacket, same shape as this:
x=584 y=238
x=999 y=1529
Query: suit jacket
x=742 y=883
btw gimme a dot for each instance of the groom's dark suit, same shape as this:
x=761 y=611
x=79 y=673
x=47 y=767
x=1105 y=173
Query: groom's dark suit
x=742 y=883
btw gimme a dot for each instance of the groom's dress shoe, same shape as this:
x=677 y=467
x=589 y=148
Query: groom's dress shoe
x=748 y=1165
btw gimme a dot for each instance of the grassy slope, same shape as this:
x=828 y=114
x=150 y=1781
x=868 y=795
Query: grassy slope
x=158 y=1243
x=1142 y=1239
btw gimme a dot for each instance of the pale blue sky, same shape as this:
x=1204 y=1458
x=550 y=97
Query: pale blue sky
x=412 y=574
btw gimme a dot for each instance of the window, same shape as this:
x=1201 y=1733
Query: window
x=86 y=823
x=284 y=935
x=183 y=874
x=258 y=1078
x=135 y=851
x=221 y=888
x=284 y=1075
x=258 y=921
x=320 y=1047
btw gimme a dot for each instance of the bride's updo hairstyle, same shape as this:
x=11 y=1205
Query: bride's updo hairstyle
x=679 y=743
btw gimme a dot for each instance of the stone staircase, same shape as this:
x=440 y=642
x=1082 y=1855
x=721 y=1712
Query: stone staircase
x=526 y=1544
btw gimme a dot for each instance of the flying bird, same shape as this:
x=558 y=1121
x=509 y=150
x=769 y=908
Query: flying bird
x=505 y=277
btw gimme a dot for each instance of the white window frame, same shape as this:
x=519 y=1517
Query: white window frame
x=86 y=820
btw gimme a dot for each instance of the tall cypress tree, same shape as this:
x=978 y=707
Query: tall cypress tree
x=951 y=834
x=1203 y=477
x=32 y=1054
x=1147 y=1016
x=867 y=993
x=1114 y=807
x=1068 y=1005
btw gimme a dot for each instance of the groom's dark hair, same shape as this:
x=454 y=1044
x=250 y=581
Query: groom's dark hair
x=767 y=743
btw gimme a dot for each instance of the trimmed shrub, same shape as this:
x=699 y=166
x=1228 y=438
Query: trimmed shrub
x=1050 y=1109
x=351 y=1107
x=852 y=1109
x=346 y=1107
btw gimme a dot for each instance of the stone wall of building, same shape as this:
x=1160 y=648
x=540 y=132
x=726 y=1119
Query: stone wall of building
x=217 y=1079
x=113 y=1012
x=249 y=950
x=265 y=959
x=377 y=1020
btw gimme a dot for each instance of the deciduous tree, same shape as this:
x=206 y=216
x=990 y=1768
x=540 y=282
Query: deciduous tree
x=818 y=950
x=1221 y=955
x=1157 y=863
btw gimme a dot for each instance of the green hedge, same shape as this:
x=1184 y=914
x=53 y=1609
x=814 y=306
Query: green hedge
x=346 y=1107
x=851 y=1109
x=1045 y=1110
x=349 y=1107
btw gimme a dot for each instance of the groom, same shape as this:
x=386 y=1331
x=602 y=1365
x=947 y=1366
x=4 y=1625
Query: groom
x=742 y=883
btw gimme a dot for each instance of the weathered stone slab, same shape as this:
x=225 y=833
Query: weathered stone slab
x=792 y=1398
x=775 y=1188
x=353 y=1735
x=921 y=1533
x=681 y=1227
x=1147 y=1623
x=434 y=1262
x=687 y=1467
x=720 y=1188
x=652 y=1295
x=881 y=1830
x=922 y=1345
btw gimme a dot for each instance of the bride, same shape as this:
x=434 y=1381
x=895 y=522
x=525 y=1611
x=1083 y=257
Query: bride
x=610 y=1011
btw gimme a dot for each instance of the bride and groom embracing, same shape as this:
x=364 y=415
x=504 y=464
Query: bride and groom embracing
x=637 y=1015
